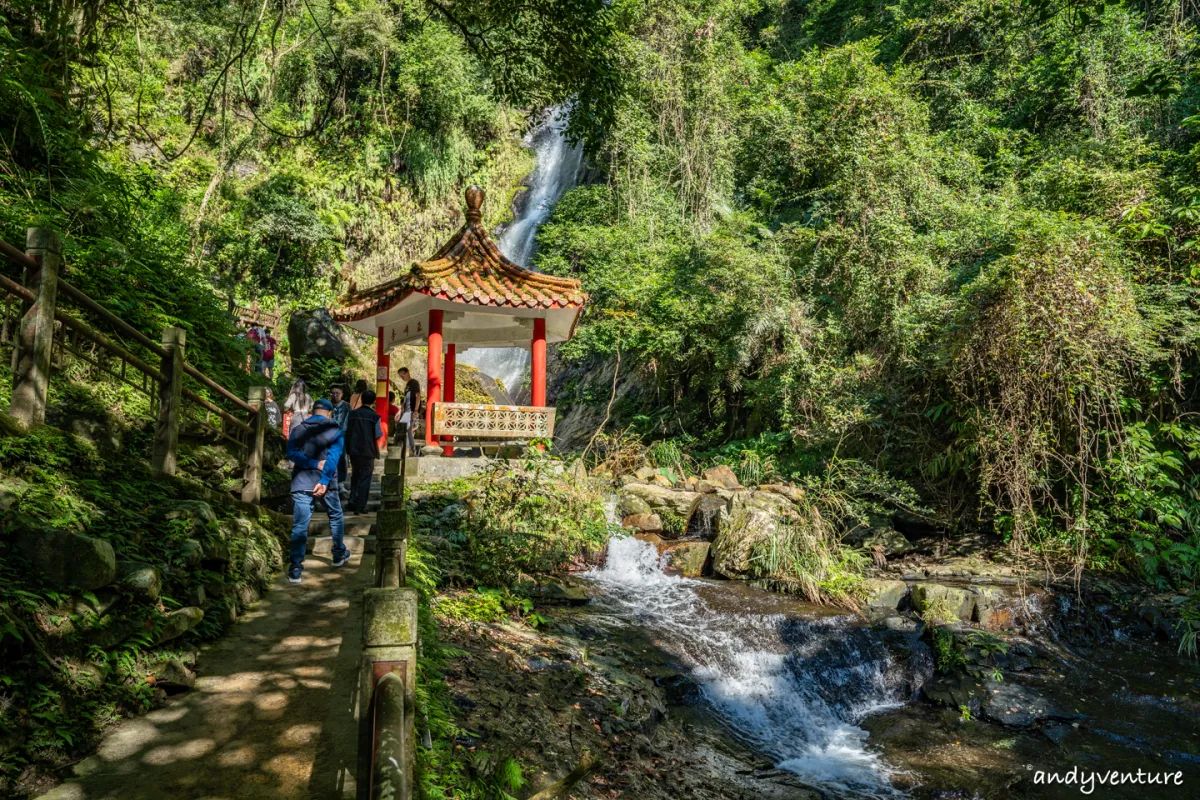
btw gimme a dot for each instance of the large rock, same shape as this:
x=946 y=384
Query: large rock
x=12 y=489
x=722 y=476
x=662 y=498
x=995 y=609
x=630 y=504
x=192 y=552
x=705 y=522
x=957 y=601
x=793 y=493
x=735 y=543
x=174 y=676
x=66 y=559
x=685 y=558
x=177 y=623
x=1020 y=706
x=770 y=501
x=314 y=334
x=888 y=541
x=140 y=580
x=651 y=523
x=197 y=512
x=884 y=593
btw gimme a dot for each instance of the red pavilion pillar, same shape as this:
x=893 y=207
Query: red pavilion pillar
x=538 y=376
x=448 y=387
x=433 y=388
x=382 y=377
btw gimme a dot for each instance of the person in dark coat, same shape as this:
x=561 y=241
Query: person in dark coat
x=363 y=433
x=314 y=447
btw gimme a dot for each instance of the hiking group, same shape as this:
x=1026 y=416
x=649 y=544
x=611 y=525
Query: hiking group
x=329 y=439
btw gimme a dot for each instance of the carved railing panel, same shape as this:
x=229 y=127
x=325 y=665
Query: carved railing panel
x=479 y=421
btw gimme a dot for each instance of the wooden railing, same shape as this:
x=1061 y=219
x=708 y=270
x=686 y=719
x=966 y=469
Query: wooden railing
x=43 y=328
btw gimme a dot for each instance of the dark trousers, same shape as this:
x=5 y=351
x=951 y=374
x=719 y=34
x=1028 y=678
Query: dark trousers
x=342 y=469
x=361 y=468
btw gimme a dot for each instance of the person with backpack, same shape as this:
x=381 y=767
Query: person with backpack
x=363 y=433
x=314 y=448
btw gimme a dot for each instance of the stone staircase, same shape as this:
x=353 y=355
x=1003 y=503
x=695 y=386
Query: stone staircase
x=360 y=528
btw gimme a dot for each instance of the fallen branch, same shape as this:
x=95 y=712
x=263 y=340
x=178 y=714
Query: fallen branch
x=560 y=789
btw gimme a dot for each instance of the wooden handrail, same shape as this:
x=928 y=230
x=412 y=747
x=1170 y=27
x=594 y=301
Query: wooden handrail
x=14 y=288
x=123 y=328
x=218 y=388
x=214 y=408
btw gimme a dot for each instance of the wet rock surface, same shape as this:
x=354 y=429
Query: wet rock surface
x=547 y=696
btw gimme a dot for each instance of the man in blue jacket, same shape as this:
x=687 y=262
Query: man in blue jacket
x=314 y=448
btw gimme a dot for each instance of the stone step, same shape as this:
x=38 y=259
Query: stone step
x=323 y=545
x=355 y=526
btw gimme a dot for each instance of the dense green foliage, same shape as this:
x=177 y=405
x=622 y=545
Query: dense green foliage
x=953 y=240
x=479 y=547
x=75 y=662
x=271 y=151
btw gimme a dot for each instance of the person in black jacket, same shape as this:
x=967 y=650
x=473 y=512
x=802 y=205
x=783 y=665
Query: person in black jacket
x=363 y=433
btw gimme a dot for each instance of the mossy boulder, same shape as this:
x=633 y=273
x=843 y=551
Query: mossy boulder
x=629 y=504
x=66 y=559
x=176 y=624
x=139 y=579
x=663 y=499
x=735 y=543
x=952 y=599
x=198 y=513
x=885 y=593
x=688 y=559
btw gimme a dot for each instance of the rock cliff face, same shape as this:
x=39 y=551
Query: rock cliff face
x=581 y=393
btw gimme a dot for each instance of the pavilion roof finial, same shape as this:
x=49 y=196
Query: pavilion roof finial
x=474 y=202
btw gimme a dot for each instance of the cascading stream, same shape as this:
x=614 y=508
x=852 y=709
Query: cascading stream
x=791 y=687
x=556 y=171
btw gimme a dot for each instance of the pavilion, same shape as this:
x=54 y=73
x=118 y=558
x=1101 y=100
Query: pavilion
x=467 y=295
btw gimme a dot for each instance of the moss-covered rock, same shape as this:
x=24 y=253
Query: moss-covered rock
x=140 y=579
x=65 y=559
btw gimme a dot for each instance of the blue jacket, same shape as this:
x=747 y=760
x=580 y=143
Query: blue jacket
x=317 y=438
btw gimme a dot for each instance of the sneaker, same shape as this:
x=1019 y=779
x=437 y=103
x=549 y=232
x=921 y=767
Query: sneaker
x=293 y=578
x=341 y=560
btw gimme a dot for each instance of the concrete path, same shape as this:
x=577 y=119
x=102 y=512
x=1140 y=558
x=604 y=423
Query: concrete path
x=272 y=714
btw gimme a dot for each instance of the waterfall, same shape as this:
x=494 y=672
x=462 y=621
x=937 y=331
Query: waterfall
x=557 y=164
x=791 y=687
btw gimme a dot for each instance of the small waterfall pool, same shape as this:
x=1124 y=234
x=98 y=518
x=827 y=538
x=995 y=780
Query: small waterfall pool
x=793 y=687
x=556 y=170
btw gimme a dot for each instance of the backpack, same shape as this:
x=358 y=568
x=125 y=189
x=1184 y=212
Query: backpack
x=269 y=351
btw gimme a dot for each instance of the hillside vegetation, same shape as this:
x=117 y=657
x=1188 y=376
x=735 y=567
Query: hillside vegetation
x=950 y=241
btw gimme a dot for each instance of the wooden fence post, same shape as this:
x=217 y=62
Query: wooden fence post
x=252 y=475
x=35 y=334
x=170 y=399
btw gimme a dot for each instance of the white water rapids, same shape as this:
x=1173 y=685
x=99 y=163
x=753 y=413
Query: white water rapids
x=556 y=171
x=792 y=688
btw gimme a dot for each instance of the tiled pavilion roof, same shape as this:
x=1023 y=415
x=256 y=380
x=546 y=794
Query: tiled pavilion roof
x=469 y=269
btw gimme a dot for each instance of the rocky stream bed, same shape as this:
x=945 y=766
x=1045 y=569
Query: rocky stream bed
x=715 y=689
